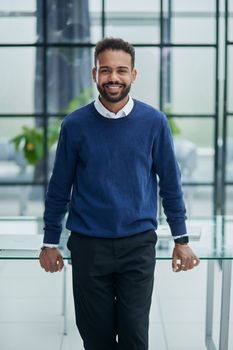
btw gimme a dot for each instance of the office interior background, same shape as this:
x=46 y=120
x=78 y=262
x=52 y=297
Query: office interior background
x=184 y=58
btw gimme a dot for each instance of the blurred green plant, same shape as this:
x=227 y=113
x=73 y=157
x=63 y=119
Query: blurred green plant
x=31 y=139
x=173 y=126
x=82 y=99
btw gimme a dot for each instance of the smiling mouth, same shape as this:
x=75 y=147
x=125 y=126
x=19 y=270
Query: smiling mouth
x=113 y=87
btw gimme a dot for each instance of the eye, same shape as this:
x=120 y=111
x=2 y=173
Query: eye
x=123 y=71
x=104 y=70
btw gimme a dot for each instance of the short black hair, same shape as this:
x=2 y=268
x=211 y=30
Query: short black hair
x=115 y=44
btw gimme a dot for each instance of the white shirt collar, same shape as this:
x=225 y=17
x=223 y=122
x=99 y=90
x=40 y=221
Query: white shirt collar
x=108 y=114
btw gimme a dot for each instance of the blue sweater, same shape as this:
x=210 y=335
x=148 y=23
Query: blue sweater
x=105 y=174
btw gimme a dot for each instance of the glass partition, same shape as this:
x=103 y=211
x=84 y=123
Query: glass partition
x=211 y=238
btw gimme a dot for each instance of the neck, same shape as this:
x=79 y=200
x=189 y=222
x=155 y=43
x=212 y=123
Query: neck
x=114 y=107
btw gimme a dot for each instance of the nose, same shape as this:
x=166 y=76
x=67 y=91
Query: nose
x=113 y=77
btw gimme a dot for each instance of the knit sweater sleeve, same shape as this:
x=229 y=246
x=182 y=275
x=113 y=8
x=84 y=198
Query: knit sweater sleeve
x=60 y=185
x=168 y=171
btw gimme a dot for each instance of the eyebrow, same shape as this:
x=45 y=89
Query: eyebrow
x=125 y=67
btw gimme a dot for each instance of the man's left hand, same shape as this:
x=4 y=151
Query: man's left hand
x=183 y=258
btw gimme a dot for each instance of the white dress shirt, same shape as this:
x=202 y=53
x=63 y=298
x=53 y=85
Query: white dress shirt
x=106 y=113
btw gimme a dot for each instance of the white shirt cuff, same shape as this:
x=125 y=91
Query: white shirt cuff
x=50 y=245
x=185 y=235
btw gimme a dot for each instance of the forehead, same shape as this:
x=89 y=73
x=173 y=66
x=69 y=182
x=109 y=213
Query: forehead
x=114 y=58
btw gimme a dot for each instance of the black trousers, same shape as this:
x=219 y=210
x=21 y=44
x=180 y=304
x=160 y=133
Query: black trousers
x=112 y=287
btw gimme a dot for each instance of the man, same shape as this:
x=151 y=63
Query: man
x=108 y=155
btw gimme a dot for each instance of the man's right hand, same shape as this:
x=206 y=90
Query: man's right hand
x=51 y=260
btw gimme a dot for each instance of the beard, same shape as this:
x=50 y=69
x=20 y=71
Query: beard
x=111 y=98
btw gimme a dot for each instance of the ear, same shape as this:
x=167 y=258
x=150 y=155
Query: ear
x=133 y=75
x=94 y=72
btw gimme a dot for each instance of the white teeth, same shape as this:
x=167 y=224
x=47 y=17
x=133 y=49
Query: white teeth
x=113 y=87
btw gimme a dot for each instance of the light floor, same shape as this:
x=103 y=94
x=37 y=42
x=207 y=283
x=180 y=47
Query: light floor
x=31 y=305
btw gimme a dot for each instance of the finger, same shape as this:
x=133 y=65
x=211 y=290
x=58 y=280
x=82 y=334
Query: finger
x=174 y=264
x=184 y=264
x=60 y=263
x=53 y=266
x=57 y=265
x=190 y=263
x=187 y=264
x=48 y=267
x=43 y=263
x=193 y=261
x=196 y=261
x=46 y=262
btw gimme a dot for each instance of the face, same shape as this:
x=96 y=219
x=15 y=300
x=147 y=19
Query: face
x=114 y=75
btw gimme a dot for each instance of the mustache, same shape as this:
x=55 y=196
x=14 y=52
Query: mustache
x=112 y=83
